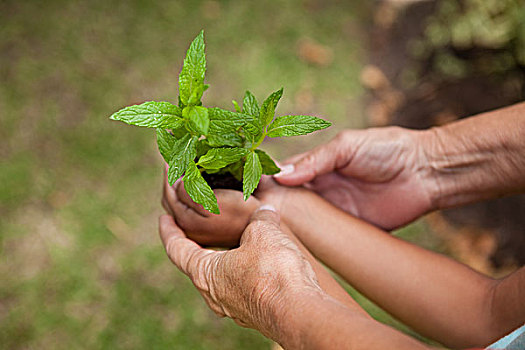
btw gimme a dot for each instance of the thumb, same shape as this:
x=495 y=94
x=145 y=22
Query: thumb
x=321 y=160
x=266 y=213
x=265 y=219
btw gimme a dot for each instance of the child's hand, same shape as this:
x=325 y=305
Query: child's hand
x=208 y=229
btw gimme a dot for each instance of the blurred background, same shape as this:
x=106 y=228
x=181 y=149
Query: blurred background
x=81 y=265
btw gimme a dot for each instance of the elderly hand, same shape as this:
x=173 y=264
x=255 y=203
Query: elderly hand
x=251 y=284
x=380 y=175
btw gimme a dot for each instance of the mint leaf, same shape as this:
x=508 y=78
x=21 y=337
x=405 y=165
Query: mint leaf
x=203 y=147
x=250 y=105
x=218 y=158
x=179 y=132
x=198 y=118
x=220 y=141
x=223 y=121
x=268 y=165
x=253 y=129
x=184 y=151
x=236 y=106
x=251 y=175
x=293 y=125
x=231 y=139
x=151 y=114
x=236 y=170
x=199 y=190
x=268 y=107
x=166 y=142
x=191 y=78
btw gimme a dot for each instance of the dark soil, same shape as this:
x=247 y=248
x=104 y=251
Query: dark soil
x=434 y=102
x=222 y=181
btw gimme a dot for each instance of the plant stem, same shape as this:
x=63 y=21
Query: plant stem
x=261 y=139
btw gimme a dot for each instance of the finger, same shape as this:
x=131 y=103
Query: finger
x=262 y=222
x=321 y=160
x=168 y=190
x=165 y=192
x=265 y=183
x=266 y=213
x=187 y=255
x=175 y=206
x=166 y=206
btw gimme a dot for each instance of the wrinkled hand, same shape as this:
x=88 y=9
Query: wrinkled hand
x=379 y=175
x=251 y=284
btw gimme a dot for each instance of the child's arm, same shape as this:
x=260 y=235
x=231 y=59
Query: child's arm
x=435 y=295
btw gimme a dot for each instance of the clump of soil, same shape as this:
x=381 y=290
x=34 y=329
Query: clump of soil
x=222 y=181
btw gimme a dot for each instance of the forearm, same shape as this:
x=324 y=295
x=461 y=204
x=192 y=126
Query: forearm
x=476 y=158
x=436 y=296
x=326 y=281
x=317 y=321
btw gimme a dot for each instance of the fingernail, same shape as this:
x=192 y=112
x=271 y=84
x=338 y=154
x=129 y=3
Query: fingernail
x=267 y=207
x=285 y=170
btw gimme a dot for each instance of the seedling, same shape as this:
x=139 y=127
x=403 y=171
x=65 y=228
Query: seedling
x=194 y=139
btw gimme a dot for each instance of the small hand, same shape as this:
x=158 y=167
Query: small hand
x=251 y=284
x=378 y=175
x=208 y=229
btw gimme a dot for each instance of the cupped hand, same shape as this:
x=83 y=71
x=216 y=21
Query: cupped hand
x=205 y=228
x=380 y=175
x=251 y=284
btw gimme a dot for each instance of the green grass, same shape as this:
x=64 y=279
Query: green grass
x=81 y=265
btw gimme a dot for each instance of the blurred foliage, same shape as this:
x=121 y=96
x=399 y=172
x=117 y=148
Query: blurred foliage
x=81 y=265
x=470 y=37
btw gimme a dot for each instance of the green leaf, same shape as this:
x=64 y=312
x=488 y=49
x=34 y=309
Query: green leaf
x=230 y=139
x=293 y=125
x=253 y=130
x=212 y=171
x=236 y=106
x=199 y=190
x=165 y=142
x=268 y=107
x=251 y=175
x=250 y=105
x=198 y=118
x=203 y=147
x=179 y=132
x=222 y=121
x=151 y=114
x=268 y=165
x=218 y=158
x=236 y=169
x=191 y=78
x=184 y=152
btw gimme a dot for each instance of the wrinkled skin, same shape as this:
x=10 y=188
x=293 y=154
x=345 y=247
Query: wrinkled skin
x=252 y=283
x=379 y=175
